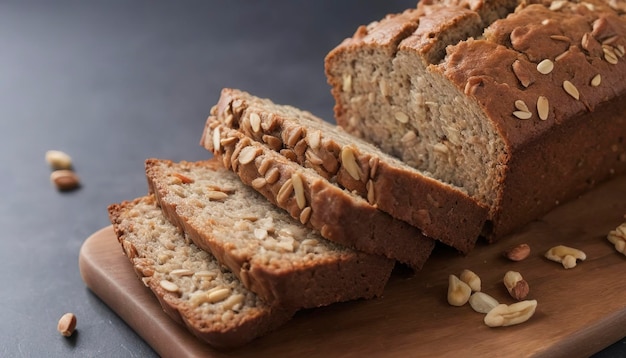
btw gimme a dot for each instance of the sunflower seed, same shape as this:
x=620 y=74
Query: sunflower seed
x=216 y=140
x=305 y=215
x=169 y=286
x=272 y=175
x=571 y=89
x=298 y=188
x=348 y=161
x=401 y=117
x=595 y=81
x=371 y=198
x=255 y=122
x=522 y=114
x=258 y=183
x=284 y=192
x=521 y=105
x=546 y=66
x=543 y=107
x=248 y=154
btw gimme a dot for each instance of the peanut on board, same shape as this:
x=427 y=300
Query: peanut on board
x=458 y=291
x=618 y=238
x=516 y=285
x=566 y=255
x=471 y=279
x=507 y=315
x=517 y=253
x=482 y=302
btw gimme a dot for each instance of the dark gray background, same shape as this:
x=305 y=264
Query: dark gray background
x=113 y=83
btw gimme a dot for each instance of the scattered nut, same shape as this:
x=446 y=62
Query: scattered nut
x=516 y=285
x=67 y=324
x=64 y=179
x=565 y=255
x=471 y=279
x=482 y=302
x=507 y=315
x=458 y=291
x=517 y=253
x=618 y=238
x=58 y=159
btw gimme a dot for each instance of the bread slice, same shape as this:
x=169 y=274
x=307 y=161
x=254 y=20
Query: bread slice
x=440 y=210
x=272 y=254
x=192 y=287
x=480 y=112
x=339 y=215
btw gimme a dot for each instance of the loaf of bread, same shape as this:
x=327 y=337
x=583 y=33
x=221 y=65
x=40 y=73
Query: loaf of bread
x=440 y=210
x=192 y=287
x=339 y=215
x=273 y=255
x=523 y=112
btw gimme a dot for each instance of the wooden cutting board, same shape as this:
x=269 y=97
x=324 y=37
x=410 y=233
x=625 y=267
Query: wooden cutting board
x=579 y=312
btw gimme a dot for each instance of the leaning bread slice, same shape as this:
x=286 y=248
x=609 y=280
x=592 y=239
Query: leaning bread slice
x=440 y=210
x=273 y=255
x=192 y=287
x=338 y=214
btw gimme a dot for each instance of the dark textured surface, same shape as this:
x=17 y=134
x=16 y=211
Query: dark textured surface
x=112 y=83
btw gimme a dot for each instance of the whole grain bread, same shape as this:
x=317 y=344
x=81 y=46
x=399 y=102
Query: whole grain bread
x=273 y=255
x=339 y=215
x=440 y=210
x=192 y=287
x=524 y=114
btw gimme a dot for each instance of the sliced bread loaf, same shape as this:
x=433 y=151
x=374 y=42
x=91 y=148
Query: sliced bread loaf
x=524 y=113
x=338 y=214
x=272 y=254
x=192 y=287
x=440 y=210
